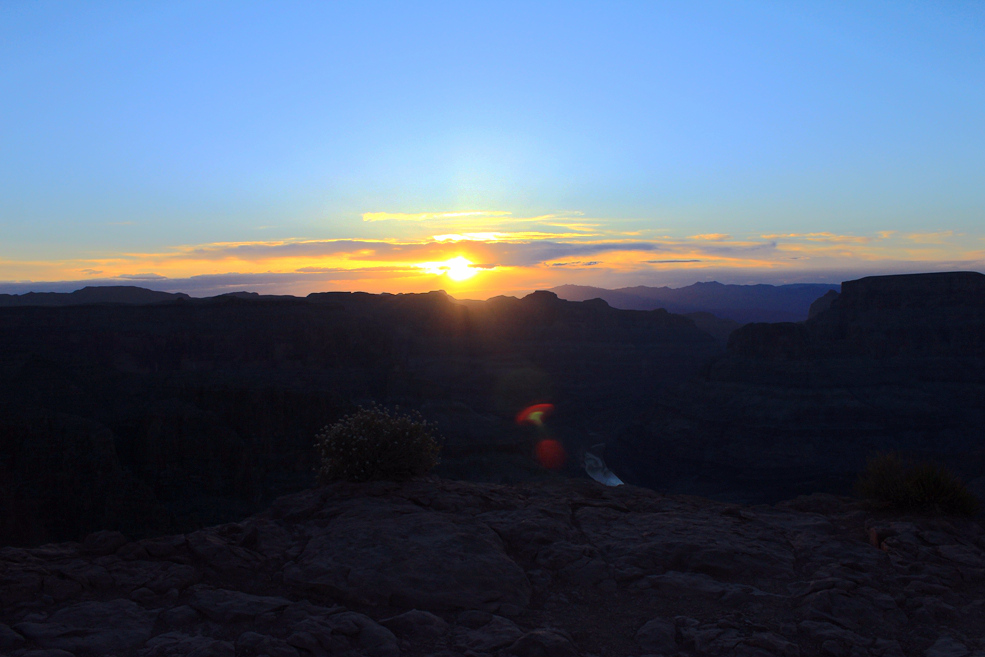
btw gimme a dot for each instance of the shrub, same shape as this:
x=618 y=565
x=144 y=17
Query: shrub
x=376 y=443
x=896 y=483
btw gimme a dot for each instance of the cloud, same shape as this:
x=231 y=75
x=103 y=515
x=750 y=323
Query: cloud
x=939 y=237
x=526 y=254
x=357 y=270
x=821 y=237
x=514 y=251
x=669 y=262
x=141 y=277
x=473 y=237
x=285 y=248
x=577 y=263
x=739 y=248
x=513 y=236
x=484 y=224
x=612 y=274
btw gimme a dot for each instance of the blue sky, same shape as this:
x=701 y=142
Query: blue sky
x=297 y=147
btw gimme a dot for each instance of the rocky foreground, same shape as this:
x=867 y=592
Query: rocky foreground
x=435 y=567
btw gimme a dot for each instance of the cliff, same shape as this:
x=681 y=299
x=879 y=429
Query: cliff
x=169 y=416
x=893 y=363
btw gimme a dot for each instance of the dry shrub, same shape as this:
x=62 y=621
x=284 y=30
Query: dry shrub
x=376 y=443
x=899 y=484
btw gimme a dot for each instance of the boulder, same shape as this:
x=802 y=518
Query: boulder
x=96 y=627
x=424 y=560
x=225 y=606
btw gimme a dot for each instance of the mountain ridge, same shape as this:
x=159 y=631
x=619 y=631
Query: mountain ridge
x=740 y=303
x=168 y=415
x=92 y=294
x=893 y=363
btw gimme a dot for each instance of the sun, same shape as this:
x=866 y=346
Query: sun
x=457 y=269
x=460 y=269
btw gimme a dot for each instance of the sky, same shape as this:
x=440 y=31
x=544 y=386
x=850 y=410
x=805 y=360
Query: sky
x=487 y=148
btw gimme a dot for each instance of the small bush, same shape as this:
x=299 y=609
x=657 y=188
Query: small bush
x=898 y=484
x=375 y=443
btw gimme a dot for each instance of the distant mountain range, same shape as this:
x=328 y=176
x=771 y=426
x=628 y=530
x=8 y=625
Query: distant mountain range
x=735 y=303
x=739 y=303
x=715 y=308
x=895 y=364
x=125 y=294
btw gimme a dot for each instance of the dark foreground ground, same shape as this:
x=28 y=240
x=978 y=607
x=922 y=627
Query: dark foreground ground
x=434 y=567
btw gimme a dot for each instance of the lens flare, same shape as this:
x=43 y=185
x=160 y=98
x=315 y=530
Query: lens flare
x=551 y=454
x=535 y=414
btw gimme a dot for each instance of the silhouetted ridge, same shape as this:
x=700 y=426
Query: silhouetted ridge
x=738 y=303
x=211 y=406
x=822 y=303
x=122 y=294
x=893 y=363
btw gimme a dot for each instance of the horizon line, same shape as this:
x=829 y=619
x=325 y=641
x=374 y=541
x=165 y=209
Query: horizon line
x=217 y=288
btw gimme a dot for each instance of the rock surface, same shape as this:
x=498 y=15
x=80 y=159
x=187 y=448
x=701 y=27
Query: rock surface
x=552 y=569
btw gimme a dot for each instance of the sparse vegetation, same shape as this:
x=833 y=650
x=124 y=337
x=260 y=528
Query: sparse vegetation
x=376 y=443
x=896 y=483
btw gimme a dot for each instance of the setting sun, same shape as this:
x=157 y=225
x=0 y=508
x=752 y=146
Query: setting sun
x=457 y=269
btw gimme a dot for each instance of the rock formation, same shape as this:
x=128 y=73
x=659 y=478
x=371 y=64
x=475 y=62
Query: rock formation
x=893 y=363
x=106 y=294
x=735 y=303
x=562 y=569
x=198 y=412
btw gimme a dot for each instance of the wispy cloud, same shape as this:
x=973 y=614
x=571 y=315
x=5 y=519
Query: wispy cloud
x=513 y=252
x=669 y=262
x=473 y=237
x=577 y=263
x=481 y=224
x=939 y=237
x=514 y=236
x=832 y=238
x=141 y=277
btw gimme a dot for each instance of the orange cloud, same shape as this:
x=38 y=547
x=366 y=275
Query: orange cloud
x=507 y=253
x=939 y=237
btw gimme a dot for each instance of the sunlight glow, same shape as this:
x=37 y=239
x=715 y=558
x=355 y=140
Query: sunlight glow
x=457 y=269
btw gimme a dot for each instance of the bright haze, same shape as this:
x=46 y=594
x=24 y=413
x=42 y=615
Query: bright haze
x=487 y=148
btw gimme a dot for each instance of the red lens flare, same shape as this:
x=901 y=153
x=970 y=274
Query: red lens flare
x=535 y=414
x=551 y=454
